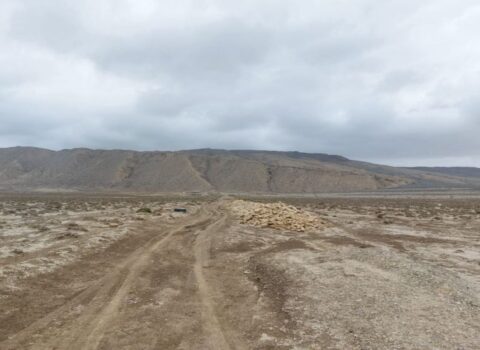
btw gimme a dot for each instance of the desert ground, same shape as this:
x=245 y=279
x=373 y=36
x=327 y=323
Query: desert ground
x=127 y=272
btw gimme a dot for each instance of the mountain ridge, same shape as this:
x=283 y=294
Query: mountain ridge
x=205 y=170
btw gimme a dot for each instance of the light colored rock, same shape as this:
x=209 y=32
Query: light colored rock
x=276 y=215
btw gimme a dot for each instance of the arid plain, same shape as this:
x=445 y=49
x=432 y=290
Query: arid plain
x=346 y=272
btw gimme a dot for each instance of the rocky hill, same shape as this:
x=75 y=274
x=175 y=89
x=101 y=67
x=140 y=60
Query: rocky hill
x=27 y=168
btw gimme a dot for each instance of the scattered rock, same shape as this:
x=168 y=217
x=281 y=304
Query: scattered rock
x=67 y=235
x=76 y=227
x=276 y=215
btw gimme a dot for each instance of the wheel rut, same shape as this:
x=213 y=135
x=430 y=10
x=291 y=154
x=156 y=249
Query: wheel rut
x=216 y=332
x=106 y=317
x=91 y=317
x=99 y=303
x=211 y=324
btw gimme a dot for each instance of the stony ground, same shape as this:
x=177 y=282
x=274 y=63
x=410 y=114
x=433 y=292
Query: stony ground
x=83 y=272
x=276 y=215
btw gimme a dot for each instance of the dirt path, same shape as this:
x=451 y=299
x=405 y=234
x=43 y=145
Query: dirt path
x=216 y=336
x=99 y=320
x=101 y=303
x=356 y=278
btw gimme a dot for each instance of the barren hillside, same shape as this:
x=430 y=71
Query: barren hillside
x=26 y=168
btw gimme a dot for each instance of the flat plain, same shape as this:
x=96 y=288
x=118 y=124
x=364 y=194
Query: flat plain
x=337 y=272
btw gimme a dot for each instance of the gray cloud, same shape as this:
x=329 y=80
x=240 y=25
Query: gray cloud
x=395 y=81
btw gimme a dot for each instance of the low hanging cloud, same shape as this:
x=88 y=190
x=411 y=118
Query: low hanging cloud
x=396 y=82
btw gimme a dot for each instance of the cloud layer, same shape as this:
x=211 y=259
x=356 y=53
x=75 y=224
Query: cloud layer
x=391 y=81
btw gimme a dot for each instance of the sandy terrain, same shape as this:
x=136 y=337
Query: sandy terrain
x=80 y=272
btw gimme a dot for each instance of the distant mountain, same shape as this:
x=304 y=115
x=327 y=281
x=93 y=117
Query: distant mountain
x=32 y=169
x=452 y=171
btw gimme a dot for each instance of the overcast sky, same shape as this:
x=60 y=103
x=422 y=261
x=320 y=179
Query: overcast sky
x=393 y=81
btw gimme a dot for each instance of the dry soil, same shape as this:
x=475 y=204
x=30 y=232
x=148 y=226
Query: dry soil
x=80 y=272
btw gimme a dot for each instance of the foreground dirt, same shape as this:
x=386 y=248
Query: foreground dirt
x=129 y=273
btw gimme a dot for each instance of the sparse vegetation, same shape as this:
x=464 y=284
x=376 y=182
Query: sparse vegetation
x=329 y=266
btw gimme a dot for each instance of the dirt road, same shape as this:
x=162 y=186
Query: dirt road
x=87 y=320
x=203 y=280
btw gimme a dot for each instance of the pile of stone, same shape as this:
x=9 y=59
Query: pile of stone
x=275 y=215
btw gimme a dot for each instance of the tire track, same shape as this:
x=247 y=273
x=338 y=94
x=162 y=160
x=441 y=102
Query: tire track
x=83 y=322
x=106 y=318
x=100 y=303
x=216 y=334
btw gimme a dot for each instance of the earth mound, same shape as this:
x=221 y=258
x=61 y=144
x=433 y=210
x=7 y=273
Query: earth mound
x=276 y=215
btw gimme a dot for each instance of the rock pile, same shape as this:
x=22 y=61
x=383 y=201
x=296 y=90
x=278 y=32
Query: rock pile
x=275 y=215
